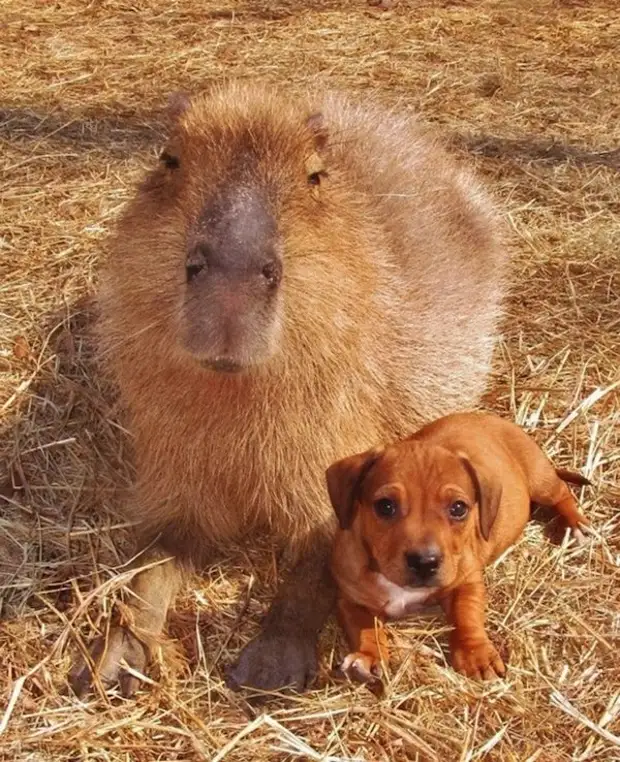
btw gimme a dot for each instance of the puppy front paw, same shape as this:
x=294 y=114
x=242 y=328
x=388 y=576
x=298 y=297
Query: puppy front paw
x=361 y=667
x=478 y=660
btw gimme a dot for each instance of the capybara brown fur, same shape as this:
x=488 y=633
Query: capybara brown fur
x=299 y=278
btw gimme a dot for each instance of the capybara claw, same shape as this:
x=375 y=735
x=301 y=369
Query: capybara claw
x=273 y=661
x=361 y=667
x=110 y=657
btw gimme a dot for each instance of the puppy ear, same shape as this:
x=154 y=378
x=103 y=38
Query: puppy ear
x=344 y=479
x=488 y=494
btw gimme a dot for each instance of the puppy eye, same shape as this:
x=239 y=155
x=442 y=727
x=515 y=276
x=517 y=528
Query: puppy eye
x=170 y=161
x=385 y=508
x=458 y=510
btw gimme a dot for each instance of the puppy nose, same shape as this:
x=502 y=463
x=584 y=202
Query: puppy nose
x=424 y=562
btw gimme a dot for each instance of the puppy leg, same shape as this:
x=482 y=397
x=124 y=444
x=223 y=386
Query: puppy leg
x=549 y=490
x=152 y=592
x=472 y=653
x=368 y=643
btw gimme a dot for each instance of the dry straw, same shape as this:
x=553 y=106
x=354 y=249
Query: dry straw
x=530 y=91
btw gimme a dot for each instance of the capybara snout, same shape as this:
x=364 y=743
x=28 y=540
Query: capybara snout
x=234 y=234
x=233 y=267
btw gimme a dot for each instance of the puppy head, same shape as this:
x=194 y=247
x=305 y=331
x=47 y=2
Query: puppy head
x=415 y=507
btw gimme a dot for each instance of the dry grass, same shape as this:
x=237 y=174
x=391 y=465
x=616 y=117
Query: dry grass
x=81 y=85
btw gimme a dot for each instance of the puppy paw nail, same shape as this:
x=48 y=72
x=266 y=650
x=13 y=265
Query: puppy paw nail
x=480 y=662
x=581 y=535
x=361 y=668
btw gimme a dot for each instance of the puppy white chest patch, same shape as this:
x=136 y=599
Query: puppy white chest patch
x=402 y=601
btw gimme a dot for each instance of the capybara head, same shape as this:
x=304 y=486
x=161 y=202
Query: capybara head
x=413 y=506
x=237 y=210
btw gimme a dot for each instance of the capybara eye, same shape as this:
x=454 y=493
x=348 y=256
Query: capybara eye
x=170 y=161
x=385 y=508
x=271 y=274
x=458 y=510
x=314 y=178
x=192 y=271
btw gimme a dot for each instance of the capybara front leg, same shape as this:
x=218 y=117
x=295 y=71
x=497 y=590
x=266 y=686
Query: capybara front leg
x=130 y=644
x=284 y=653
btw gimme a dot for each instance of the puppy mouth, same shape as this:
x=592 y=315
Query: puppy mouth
x=409 y=580
x=406 y=580
x=415 y=580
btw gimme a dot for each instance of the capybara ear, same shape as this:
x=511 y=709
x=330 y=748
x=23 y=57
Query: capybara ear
x=344 y=479
x=177 y=105
x=488 y=491
x=317 y=126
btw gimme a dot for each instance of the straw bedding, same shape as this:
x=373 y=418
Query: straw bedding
x=528 y=91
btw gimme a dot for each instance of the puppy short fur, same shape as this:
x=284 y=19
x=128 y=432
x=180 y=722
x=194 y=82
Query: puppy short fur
x=420 y=519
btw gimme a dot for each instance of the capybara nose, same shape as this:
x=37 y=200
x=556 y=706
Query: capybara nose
x=424 y=563
x=197 y=260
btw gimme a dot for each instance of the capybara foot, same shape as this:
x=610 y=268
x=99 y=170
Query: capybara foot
x=111 y=656
x=362 y=667
x=274 y=660
x=479 y=660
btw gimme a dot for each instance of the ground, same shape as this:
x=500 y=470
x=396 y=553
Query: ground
x=527 y=92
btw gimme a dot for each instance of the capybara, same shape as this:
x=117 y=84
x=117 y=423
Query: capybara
x=299 y=278
x=421 y=518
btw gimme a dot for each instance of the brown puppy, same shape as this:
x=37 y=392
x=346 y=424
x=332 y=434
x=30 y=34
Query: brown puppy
x=419 y=521
x=298 y=278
